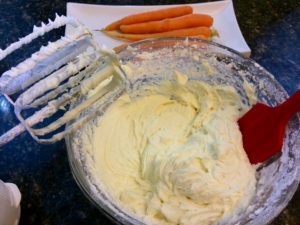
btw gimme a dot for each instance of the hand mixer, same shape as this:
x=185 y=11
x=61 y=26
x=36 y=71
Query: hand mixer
x=54 y=77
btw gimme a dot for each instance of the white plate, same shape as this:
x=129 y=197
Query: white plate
x=98 y=16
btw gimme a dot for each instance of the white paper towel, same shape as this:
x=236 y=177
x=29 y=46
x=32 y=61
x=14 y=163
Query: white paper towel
x=10 y=198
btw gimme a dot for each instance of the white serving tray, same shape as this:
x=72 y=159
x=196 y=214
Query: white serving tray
x=98 y=16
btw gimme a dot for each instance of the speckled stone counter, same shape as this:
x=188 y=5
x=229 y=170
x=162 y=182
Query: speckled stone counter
x=49 y=192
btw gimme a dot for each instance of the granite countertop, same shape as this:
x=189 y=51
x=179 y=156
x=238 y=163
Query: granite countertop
x=49 y=192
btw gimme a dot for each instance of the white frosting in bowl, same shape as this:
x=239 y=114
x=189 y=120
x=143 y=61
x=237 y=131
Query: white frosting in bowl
x=173 y=153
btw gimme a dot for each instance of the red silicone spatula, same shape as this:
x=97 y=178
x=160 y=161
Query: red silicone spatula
x=263 y=128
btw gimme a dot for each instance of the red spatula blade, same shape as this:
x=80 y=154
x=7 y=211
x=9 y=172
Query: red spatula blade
x=262 y=133
x=263 y=128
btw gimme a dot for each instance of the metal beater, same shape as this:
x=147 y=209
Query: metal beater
x=54 y=77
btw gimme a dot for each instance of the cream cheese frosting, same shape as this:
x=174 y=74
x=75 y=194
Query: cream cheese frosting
x=173 y=153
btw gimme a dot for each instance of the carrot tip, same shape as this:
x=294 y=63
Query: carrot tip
x=103 y=31
x=215 y=32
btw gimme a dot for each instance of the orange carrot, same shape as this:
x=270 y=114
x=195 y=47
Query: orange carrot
x=151 y=16
x=182 y=22
x=189 y=32
x=119 y=47
x=114 y=25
